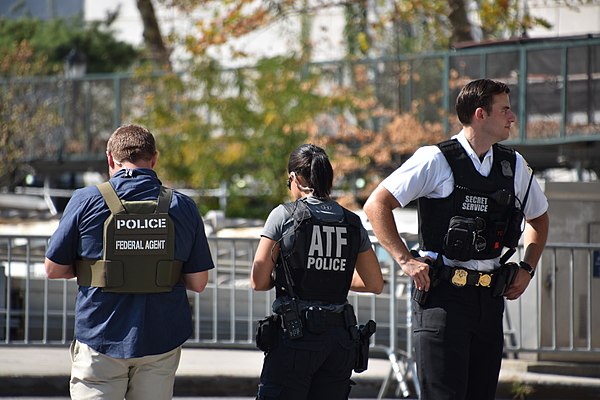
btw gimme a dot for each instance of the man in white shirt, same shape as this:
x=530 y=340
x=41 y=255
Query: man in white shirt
x=472 y=195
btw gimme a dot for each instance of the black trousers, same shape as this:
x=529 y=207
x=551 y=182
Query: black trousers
x=458 y=338
x=315 y=367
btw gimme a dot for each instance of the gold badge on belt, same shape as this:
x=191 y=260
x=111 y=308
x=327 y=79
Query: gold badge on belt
x=484 y=279
x=459 y=278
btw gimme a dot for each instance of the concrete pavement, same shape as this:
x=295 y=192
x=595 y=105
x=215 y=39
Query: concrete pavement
x=44 y=371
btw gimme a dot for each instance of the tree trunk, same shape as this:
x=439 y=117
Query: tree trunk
x=461 y=27
x=153 y=40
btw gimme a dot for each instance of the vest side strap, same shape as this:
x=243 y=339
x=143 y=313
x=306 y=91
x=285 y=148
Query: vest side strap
x=168 y=273
x=99 y=273
x=90 y=273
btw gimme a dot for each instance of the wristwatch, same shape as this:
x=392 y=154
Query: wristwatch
x=530 y=270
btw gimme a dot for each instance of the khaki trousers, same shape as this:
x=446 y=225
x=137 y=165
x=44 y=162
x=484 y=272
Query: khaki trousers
x=97 y=376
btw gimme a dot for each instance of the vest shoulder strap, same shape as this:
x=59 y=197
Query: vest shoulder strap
x=506 y=151
x=116 y=205
x=451 y=147
x=505 y=160
x=164 y=200
x=111 y=198
x=298 y=210
x=459 y=161
x=454 y=153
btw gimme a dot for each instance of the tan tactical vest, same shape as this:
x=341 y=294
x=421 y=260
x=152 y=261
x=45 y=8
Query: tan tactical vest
x=139 y=247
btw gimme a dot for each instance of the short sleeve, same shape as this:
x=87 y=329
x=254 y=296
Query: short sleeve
x=425 y=174
x=365 y=241
x=276 y=223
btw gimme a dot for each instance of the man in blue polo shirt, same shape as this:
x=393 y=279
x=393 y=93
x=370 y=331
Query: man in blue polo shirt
x=129 y=331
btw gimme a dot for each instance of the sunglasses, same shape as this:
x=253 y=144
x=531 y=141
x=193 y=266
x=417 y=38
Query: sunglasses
x=289 y=180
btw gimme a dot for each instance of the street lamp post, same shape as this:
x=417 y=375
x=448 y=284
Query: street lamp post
x=75 y=64
x=75 y=67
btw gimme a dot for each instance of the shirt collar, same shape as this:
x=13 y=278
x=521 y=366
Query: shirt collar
x=134 y=172
x=483 y=166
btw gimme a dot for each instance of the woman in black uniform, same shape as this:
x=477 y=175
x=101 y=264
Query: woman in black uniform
x=313 y=251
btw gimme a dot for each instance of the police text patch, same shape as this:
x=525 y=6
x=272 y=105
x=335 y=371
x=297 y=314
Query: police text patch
x=140 y=234
x=326 y=248
x=475 y=203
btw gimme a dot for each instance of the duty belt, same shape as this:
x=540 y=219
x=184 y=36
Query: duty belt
x=326 y=318
x=460 y=277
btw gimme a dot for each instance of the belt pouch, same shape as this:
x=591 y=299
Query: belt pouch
x=504 y=278
x=316 y=321
x=266 y=332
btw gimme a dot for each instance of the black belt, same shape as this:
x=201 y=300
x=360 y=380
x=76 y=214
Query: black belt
x=460 y=277
x=325 y=318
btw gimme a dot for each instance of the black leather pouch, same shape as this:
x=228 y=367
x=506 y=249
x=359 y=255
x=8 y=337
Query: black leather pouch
x=504 y=278
x=267 y=332
x=459 y=242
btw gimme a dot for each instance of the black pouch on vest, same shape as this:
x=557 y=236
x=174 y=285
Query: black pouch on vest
x=504 y=278
x=459 y=242
x=266 y=332
x=513 y=229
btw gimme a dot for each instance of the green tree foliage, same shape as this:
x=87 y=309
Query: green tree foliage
x=50 y=41
x=506 y=19
x=400 y=27
x=239 y=126
x=32 y=125
x=235 y=126
x=371 y=139
x=27 y=119
x=412 y=26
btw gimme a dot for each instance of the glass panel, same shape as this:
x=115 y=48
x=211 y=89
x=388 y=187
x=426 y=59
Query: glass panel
x=583 y=106
x=544 y=84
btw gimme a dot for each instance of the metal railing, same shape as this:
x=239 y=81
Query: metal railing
x=554 y=90
x=558 y=313
x=555 y=316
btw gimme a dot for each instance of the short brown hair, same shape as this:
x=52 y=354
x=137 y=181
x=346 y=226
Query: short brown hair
x=131 y=143
x=475 y=94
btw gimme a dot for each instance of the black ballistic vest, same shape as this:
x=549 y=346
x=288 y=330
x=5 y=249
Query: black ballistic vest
x=479 y=208
x=321 y=254
x=139 y=247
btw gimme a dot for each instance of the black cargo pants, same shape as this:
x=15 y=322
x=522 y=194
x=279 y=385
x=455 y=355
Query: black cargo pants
x=315 y=367
x=458 y=338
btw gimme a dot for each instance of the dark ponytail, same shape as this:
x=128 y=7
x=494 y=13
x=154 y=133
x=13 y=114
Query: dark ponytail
x=311 y=162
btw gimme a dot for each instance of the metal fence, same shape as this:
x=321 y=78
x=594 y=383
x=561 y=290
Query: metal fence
x=554 y=90
x=556 y=316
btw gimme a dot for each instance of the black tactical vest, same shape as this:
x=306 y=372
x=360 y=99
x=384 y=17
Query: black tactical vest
x=473 y=221
x=322 y=255
x=139 y=247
